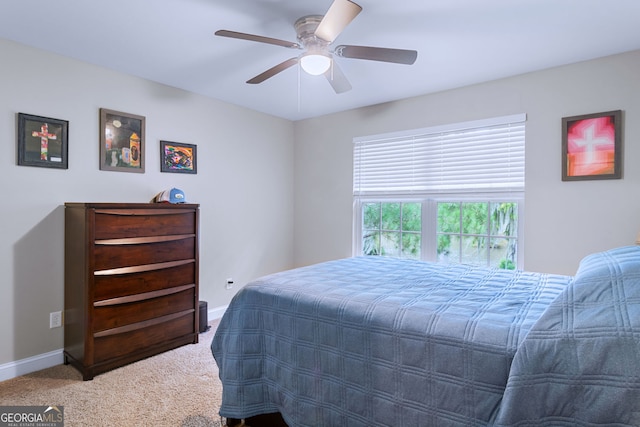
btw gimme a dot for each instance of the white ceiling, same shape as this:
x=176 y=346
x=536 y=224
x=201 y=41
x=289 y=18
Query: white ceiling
x=459 y=42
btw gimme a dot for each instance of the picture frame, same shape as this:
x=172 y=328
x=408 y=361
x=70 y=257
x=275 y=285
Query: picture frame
x=43 y=141
x=592 y=146
x=177 y=157
x=122 y=141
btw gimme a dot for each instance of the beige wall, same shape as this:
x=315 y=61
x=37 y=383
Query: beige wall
x=276 y=194
x=244 y=184
x=563 y=220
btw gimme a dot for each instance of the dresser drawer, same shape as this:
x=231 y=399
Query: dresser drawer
x=112 y=254
x=118 y=312
x=115 y=224
x=131 y=341
x=144 y=279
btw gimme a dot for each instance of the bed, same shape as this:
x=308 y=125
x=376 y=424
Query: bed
x=376 y=341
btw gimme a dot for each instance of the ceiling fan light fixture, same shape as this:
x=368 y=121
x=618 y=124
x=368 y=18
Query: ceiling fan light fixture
x=315 y=63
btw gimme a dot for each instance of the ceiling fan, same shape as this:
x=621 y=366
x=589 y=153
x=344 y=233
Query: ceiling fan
x=315 y=33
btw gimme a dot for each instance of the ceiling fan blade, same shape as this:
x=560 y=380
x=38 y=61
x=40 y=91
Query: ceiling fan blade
x=397 y=56
x=339 y=15
x=260 y=39
x=337 y=79
x=273 y=71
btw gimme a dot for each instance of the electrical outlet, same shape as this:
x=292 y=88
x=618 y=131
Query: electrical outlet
x=55 y=319
x=229 y=284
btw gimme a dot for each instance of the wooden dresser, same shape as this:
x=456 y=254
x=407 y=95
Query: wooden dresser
x=131 y=282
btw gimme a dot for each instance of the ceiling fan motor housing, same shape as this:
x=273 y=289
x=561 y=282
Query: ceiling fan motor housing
x=305 y=29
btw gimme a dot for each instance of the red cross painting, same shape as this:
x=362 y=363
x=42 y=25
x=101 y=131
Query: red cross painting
x=591 y=146
x=42 y=141
x=45 y=136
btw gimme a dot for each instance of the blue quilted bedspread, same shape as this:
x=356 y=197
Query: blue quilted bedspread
x=374 y=341
x=580 y=363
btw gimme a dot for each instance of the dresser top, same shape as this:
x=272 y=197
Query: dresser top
x=109 y=205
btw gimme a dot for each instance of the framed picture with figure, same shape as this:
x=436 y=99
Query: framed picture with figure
x=122 y=141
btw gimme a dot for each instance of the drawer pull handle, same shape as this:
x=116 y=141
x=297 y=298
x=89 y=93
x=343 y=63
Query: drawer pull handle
x=145 y=212
x=143 y=240
x=142 y=268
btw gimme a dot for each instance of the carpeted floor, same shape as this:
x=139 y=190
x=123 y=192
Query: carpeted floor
x=176 y=388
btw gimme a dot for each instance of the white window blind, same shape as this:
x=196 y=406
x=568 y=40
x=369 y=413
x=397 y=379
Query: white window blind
x=484 y=155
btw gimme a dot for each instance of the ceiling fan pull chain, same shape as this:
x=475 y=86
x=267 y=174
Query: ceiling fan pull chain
x=299 y=85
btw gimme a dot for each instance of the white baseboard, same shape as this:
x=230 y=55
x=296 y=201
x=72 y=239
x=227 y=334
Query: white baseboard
x=53 y=358
x=216 y=313
x=31 y=364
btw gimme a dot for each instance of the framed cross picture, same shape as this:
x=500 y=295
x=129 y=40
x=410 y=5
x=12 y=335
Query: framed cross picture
x=43 y=141
x=592 y=146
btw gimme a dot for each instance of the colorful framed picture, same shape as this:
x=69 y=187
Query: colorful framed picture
x=43 y=141
x=122 y=141
x=177 y=157
x=592 y=146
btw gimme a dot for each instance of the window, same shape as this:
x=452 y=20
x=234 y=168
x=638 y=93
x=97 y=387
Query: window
x=481 y=233
x=392 y=228
x=449 y=194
